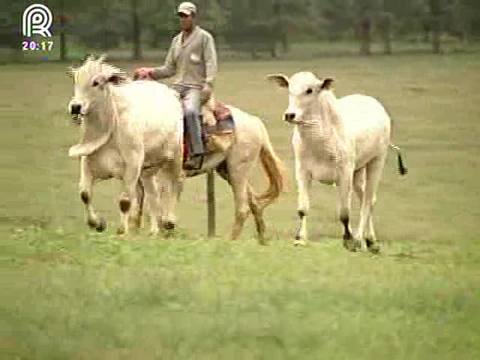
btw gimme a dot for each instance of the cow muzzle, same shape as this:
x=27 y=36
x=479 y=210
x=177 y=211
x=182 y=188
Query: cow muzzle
x=75 y=110
x=290 y=118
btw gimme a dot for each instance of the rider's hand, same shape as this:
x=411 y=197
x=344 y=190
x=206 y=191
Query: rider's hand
x=144 y=73
x=206 y=93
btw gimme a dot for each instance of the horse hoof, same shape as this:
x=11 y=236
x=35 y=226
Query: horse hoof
x=373 y=246
x=352 y=245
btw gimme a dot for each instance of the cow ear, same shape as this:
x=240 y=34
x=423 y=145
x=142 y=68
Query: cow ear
x=280 y=79
x=71 y=71
x=102 y=58
x=88 y=57
x=117 y=78
x=327 y=84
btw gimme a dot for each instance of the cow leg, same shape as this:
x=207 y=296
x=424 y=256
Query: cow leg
x=86 y=194
x=345 y=185
x=171 y=187
x=152 y=197
x=137 y=217
x=359 y=179
x=370 y=236
x=374 y=174
x=128 y=200
x=304 y=183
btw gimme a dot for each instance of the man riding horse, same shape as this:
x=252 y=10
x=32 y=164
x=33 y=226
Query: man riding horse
x=192 y=59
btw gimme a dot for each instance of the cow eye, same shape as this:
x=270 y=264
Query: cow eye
x=309 y=91
x=95 y=83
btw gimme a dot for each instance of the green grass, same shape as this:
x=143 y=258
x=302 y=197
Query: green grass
x=68 y=293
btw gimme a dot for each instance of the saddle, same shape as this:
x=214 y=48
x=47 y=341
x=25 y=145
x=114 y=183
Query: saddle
x=218 y=127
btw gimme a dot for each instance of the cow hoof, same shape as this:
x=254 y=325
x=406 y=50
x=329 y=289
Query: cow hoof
x=136 y=223
x=153 y=232
x=352 y=245
x=169 y=225
x=99 y=225
x=299 y=242
x=373 y=246
x=262 y=241
x=121 y=230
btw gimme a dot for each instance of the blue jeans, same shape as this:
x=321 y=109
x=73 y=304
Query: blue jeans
x=191 y=105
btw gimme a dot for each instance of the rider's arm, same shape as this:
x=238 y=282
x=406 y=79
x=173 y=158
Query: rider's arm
x=210 y=56
x=169 y=68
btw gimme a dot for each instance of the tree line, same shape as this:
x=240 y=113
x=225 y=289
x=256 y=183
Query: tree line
x=252 y=25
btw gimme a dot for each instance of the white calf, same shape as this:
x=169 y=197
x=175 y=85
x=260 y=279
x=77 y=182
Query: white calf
x=343 y=142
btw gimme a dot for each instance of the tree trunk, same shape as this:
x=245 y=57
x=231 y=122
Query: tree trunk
x=105 y=12
x=436 y=33
x=137 y=46
x=63 y=40
x=436 y=21
x=387 y=44
x=385 y=21
x=386 y=25
x=365 y=35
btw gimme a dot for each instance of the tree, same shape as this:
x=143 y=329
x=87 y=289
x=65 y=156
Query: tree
x=384 y=25
x=136 y=29
x=10 y=33
x=337 y=17
x=364 y=13
x=436 y=11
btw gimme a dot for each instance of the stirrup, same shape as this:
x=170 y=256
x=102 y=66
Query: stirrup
x=198 y=159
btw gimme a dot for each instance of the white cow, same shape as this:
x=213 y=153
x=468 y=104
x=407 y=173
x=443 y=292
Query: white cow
x=131 y=130
x=337 y=141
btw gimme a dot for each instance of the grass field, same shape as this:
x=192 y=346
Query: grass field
x=67 y=293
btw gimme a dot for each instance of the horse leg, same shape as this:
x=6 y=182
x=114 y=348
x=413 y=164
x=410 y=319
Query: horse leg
x=304 y=183
x=222 y=170
x=345 y=194
x=238 y=180
x=257 y=212
x=86 y=194
x=257 y=215
x=374 y=174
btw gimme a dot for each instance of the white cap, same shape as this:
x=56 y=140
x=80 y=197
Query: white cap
x=187 y=8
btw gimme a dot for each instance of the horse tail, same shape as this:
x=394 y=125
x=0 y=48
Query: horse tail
x=275 y=172
x=402 y=168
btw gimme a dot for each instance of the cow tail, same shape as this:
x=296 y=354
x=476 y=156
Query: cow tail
x=402 y=168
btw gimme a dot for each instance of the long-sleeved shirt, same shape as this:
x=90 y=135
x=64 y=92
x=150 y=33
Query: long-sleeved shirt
x=192 y=62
